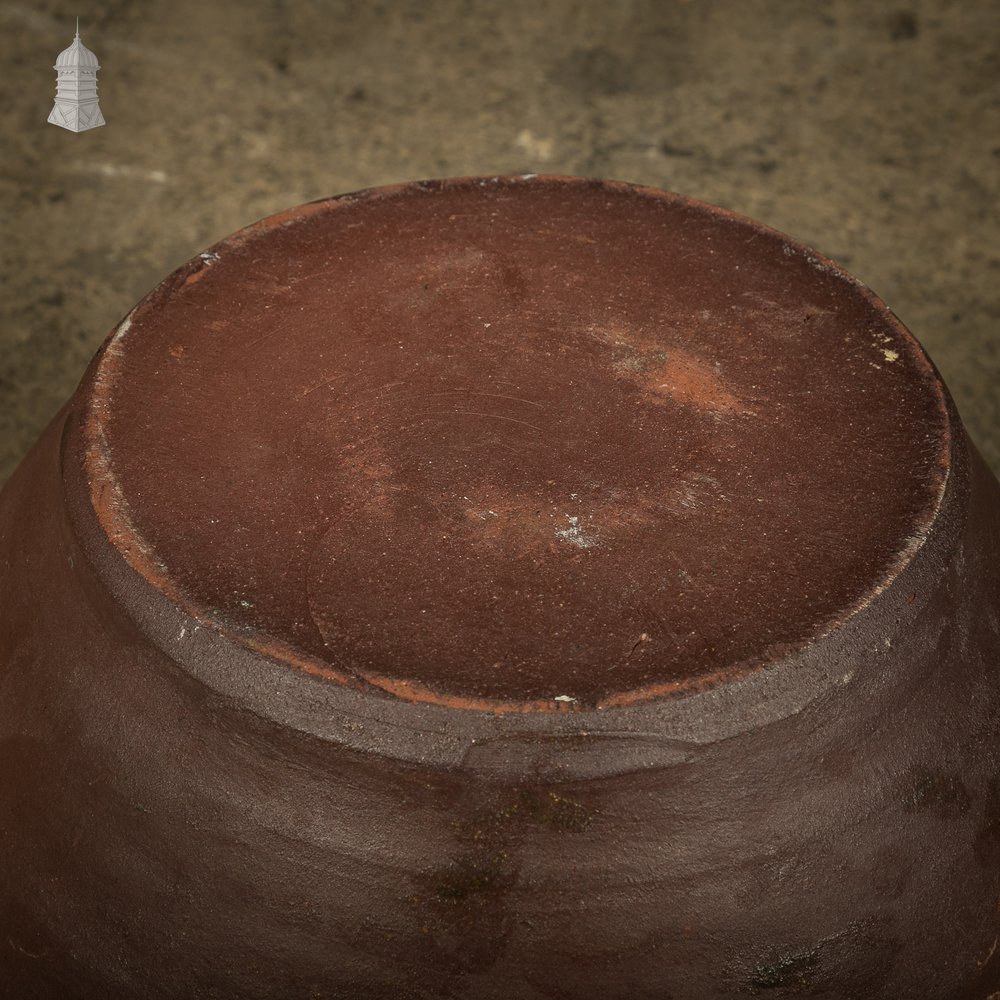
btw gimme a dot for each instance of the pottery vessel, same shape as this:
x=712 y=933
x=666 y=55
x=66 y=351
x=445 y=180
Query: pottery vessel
x=506 y=589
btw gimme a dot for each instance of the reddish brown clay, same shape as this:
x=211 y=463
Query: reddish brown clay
x=503 y=589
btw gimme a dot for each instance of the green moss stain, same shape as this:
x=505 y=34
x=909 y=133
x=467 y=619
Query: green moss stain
x=471 y=876
x=558 y=812
x=944 y=795
x=526 y=808
x=795 y=970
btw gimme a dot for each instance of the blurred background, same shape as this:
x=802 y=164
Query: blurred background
x=869 y=130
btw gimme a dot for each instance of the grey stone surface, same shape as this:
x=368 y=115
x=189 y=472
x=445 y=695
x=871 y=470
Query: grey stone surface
x=870 y=131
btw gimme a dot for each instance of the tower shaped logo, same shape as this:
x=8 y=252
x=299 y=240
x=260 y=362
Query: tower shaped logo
x=76 y=106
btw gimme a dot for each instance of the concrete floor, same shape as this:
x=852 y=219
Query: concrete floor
x=868 y=130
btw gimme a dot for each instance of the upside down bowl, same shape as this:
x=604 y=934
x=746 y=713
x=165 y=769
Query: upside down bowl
x=507 y=589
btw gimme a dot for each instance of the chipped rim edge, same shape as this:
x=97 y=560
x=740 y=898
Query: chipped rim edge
x=85 y=437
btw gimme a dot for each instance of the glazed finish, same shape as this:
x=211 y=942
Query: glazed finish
x=191 y=809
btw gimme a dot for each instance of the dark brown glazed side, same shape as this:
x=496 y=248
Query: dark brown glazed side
x=233 y=764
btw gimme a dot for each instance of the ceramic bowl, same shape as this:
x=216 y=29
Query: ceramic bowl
x=503 y=589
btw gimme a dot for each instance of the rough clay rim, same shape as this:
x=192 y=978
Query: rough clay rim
x=110 y=508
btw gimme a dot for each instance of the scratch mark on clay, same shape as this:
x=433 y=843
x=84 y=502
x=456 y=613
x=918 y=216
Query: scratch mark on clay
x=989 y=955
x=492 y=395
x=477 y=413
x=325 y=382
x=264 y=336
x=22 y=950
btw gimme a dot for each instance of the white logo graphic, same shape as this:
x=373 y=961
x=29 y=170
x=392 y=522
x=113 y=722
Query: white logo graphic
x=76 y=106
